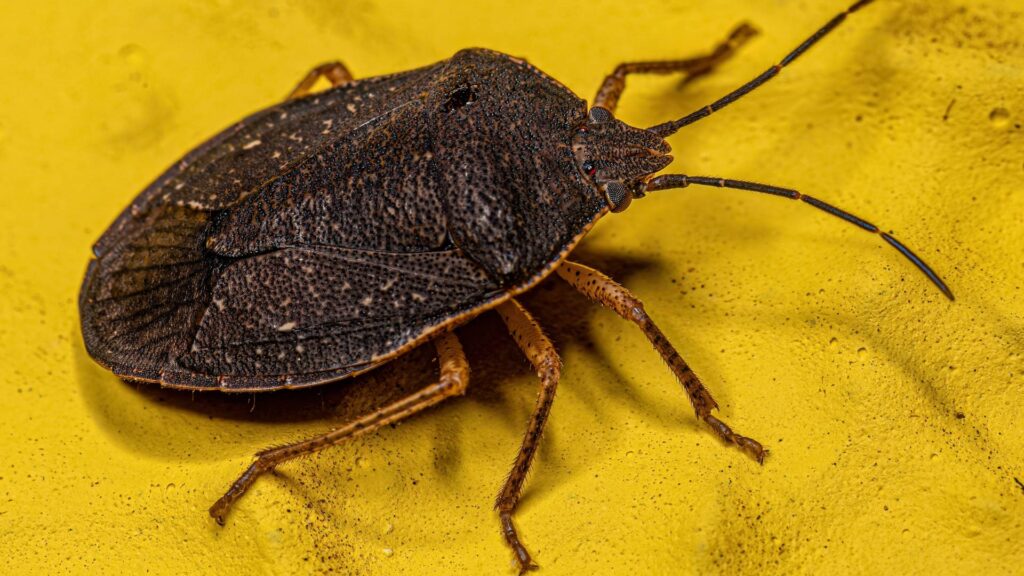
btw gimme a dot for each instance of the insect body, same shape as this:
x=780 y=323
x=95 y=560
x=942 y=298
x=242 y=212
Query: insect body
x=324 y=236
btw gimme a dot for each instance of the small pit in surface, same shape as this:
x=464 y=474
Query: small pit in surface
x=999 y=117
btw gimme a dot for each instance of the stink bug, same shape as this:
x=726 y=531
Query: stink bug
x=322 y=237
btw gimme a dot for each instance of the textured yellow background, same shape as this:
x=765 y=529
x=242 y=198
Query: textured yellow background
x=894 y=417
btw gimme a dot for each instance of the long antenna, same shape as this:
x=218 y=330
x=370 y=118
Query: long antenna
x=668 y=128
x=682 y=181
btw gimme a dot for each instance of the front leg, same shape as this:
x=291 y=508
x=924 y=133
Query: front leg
x=609 y=293
x=614 y=84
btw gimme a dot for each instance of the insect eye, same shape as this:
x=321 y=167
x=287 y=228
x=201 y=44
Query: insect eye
x=599 y=114
x=617 y=196
x=589 y=168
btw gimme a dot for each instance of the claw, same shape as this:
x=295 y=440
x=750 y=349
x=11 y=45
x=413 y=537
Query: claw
x=748 y=445
x=528 y=567
x=218 y=512
x=752 y=447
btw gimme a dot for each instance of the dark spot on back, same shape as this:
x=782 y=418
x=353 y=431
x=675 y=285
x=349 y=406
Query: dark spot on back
x=459 y=98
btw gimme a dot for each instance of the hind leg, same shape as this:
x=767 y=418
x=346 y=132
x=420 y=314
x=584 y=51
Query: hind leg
x=613 y=85
x=453 y=381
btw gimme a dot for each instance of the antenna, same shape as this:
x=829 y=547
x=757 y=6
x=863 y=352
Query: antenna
x=682 y=181
x=668 y=128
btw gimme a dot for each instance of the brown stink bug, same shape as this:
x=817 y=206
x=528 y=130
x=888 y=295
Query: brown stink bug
x=324 y=236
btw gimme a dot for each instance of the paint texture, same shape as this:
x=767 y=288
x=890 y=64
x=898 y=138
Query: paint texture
x=892 y=416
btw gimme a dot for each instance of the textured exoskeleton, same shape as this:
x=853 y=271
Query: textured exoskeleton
x=319 y=237
x=322 y=237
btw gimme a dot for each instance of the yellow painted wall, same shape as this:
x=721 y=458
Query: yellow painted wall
x=894 y=418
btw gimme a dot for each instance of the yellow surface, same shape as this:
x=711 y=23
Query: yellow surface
x=894 y=418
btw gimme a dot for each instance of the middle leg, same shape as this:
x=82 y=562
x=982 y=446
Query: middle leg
x=614 y=296
x=542 y=355
x=613 y=85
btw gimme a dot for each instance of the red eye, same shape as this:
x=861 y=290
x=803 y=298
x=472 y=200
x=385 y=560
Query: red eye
x=589 y=168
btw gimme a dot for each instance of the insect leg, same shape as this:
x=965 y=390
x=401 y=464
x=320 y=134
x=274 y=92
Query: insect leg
x=453 y=381
x=541 y=353
x=335 y=73
x=611 y=294
x=614 y=83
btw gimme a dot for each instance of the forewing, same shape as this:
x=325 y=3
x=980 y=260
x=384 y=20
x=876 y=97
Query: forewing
x=140 y=301
x=235 y=162
x=282 y=318
x=150 y=282
x=373 y=189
